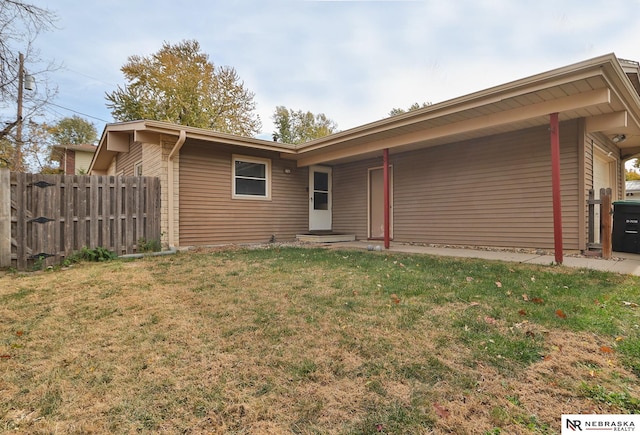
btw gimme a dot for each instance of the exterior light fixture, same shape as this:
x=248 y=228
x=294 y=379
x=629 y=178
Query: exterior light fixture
x=619 y=138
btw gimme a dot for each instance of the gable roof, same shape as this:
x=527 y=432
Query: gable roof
x=118 y=137
x=599 y=90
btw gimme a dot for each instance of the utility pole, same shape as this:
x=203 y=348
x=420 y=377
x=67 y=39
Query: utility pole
x=17 y=156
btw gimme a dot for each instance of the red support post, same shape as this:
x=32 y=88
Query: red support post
x=385 y=172
x=554 y=128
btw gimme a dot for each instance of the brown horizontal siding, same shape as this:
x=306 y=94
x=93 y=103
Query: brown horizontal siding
x=208 y=214
x=494 y=191
x=125 y=162
x=350 y=202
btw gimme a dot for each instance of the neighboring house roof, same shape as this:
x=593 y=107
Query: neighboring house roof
x=633 y=186
x=599 y=90
x=89 y=148
x=74 y=158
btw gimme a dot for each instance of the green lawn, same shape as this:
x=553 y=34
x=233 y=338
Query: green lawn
x=314 y=341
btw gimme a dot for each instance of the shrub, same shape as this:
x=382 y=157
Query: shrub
x=95 y=254
x=145 y=245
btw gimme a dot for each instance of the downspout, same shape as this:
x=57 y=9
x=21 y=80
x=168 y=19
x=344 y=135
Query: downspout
x=170 y=189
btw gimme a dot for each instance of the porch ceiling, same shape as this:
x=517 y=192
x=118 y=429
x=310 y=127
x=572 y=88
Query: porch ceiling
x=598 y=90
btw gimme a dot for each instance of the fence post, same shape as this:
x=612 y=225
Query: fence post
x=5 y=218
x=592 y=216
x=606 y=219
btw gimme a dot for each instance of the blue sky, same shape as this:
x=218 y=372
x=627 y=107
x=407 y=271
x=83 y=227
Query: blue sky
x=352 y=60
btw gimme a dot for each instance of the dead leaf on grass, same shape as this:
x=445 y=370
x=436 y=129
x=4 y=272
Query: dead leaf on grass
x=498 y=284
x=395 y=298
x=525 y=297
x=606 y=349
x=5 y=356
x=441 y=410
x=490 y=320
x=469 y=279
x=522 y=312
x=561 y=314
x=630 y=304
x=537 y=300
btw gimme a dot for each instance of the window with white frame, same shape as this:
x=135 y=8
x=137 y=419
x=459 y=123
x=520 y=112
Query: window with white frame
x=251 y=177
x=137 y=169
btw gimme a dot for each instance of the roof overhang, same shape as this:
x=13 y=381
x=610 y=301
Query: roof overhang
x=119 y=137
x=598 y=90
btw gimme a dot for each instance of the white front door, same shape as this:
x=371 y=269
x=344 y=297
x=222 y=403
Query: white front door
x=319 y=198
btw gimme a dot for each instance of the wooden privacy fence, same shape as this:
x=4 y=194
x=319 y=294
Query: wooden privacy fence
x=45 y=218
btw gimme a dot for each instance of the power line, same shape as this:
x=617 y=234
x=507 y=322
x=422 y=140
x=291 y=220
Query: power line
x=80 y=113
x=89 y=77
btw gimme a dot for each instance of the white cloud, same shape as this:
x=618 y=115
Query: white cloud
x=353 y=60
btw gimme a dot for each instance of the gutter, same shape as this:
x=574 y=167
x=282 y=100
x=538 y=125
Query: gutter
x=182 y=137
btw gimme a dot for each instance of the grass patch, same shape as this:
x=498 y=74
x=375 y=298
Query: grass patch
x=295 y=340
x=622 y=400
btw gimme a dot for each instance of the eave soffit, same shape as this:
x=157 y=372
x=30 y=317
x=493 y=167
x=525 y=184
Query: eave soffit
x=525 y=104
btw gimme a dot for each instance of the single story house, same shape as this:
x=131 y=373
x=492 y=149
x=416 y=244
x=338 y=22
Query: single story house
x=74 y=159
x=509 y=166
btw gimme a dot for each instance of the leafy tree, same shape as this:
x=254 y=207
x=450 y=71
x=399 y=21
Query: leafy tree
x=179 y=84
x=630 y=175
x=68 y=131
x=73 y=131
x=6 y=153
x=20 y=24
x=414 y=106
x=296 y=127
x=39 y=155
